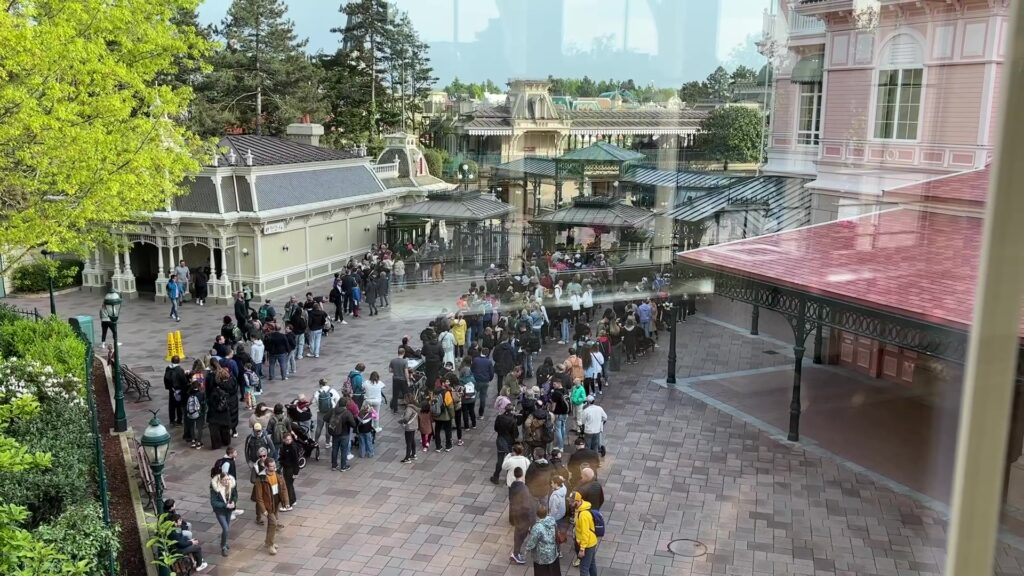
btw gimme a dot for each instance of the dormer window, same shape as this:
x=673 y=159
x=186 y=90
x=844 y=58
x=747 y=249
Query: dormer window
x=898 y=90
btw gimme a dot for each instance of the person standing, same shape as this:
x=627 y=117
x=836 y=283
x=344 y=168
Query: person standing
x=183 y=278
x=520 y=513
x=174 y=295
x=458 y=330
x=241 y=309
x=317 y=321
x=587 y=537
x=507 y=432
x=277 y=349
x=271 y=496
x=289 y=456
x=223 y=500
x=326 y=399
x=201 y=285
x=194 y=405
x=483 y=372
x=399 y=272
x=300 y=325
x=341 y=425
x=374 y=392
x=384 y=287
x=399 y=369
x=442 y=410
x=541 y=544
x=410 y=423
x=371 y=293
x=560 y=408
x=594 y=418
x=176 y=383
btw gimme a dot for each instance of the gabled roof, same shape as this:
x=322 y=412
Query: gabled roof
x=908 y=262
x=597 y=211
x=969 y=189
x=529 y=166
x=602 y=152
x=455 y=206
x=273 y=151
x=313 y=186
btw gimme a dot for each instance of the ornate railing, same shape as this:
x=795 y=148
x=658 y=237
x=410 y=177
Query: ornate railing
x=386 y=170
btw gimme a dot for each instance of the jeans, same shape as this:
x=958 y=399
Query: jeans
x=481 y=395
x=316 y=336
x=468 y=414
x=400 y=282
x=528 y=362
x=446 y=427
x=560 y=430
x=194 y=429
x=340 y=444
x=224 y=519
x=281 y=360
x=410 y=443
x=588 y=565
x=565 y=329
x=366 y=444
x=174 y=307
x=195 y=551
x=293 y=360
x=593 y=441
x=398 y=390
x=497 y=466
x=646 y=326
x=300 y=346
x=321 y=424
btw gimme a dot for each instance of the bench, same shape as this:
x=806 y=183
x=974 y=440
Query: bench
x=131 y=380
x=184 y=566
x=146 y=477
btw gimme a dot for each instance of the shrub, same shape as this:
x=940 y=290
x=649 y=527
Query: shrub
x=435 y=161
x=33 y=277
x=50 y=342
x=80 y=535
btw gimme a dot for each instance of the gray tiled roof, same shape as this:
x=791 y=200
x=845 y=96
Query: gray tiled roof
x=272 y=151
x=595 y=212
x=311 y=186
x=655 y=177
x=785 y=198
x=528 y=166
x=201 y=197
x=455 y=207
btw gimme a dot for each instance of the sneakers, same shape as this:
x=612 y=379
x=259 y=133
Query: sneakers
x=351 y=456
x=343 y=322
x=234 y=434
x=344 y=468
x=379 y=429
x=435 y=449
x=236 y=513
x=334 y=468
x=575 y=562
x=425 y=448
x=516 y=558
x=288 y=508
x=272 y=550
x=224 y=551
x=493 y=480
x=459 y=443
x=406 y=460
x=202 y=567
x=327 y=445
x=446 y=450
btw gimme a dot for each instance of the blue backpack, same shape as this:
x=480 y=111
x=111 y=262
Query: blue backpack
x=598 y=523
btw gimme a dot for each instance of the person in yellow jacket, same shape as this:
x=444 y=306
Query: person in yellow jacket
x=459 y=328
x=586 y=537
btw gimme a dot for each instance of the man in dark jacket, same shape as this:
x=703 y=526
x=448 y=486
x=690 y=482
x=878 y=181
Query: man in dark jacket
x=483 y=372
x=340 y=426
x=277 y=350
x=504 y=358
x=348 y=282
x=521 y=513
x=507 y=433
x=176 y=383
x=241 y=310
x=433 y=356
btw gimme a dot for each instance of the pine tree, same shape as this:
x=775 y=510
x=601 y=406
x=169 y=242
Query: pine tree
x=262 y=79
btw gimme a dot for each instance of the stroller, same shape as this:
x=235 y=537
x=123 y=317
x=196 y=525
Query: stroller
x=309 y=446
x=418 y=387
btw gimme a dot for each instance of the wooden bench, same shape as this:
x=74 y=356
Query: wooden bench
x=132 y=381
x=146 y=477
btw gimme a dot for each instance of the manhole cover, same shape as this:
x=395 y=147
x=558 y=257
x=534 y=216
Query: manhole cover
x=687 y=548
x=770 y=352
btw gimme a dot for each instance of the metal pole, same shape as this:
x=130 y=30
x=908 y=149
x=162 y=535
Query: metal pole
x=817 y=344
x=674 y=319
x=158 y=479
x=799 y=335
x=120 y=418
x=755 y=315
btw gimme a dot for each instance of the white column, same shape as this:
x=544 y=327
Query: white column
x=161 y=278
x=181 y=253
x=224 y=279
x=213 y=261
x=127 y=277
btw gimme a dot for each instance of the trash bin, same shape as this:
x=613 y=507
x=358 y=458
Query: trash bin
x=84 y=323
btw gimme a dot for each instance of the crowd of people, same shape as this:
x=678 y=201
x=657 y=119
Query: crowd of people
x=495 y=333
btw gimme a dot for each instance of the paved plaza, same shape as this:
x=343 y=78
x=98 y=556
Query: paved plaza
x=678 y=467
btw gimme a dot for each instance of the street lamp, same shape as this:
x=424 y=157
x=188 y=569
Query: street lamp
x=112 y=304
x=49 y=281
x=466 y=176
x=155 y=442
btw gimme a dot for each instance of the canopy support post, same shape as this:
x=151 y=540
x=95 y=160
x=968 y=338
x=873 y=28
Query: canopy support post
x=800 y=328
x=755 y=315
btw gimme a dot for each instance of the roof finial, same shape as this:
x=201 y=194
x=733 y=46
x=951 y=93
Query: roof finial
x=248 y=157
x=216 y=159
x=232 y=157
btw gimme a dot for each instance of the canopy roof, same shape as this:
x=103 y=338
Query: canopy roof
x=808 y=69
x=967 y=189
x=543 y=167
x=454 y=206
x=601 y=152
x=655 y=177
x=904 y=261
x=597 y=211
x=786 y=199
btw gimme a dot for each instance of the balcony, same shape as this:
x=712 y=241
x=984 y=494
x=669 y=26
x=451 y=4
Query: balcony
x=386 y=170
x=800 y=25
x=778 y=28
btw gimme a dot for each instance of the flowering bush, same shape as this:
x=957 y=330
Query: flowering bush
x=51 y=342
x=20 y=377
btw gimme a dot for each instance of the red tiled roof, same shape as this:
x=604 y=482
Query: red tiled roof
x=964 y=188
x=908 y=262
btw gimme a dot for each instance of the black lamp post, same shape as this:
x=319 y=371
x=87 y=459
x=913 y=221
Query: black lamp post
x=155 y=442
x=112 y=303
x=49 y=281
x=466 y=176
x=673 y=315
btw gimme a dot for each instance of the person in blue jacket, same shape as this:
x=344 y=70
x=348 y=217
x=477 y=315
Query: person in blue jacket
x=174 y=295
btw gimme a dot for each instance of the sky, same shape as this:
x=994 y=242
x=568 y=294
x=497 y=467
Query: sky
x=498 y=39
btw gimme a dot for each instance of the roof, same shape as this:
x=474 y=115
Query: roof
x=809 y=69
x=273 y=151
x=602 y=152
x=528 y=166
x=772 y=191
x=964 y=188
x=655 y=177
x=905 y=261
x=312 y=186
x=453 y=206
x=597 y=211
x=653 y=120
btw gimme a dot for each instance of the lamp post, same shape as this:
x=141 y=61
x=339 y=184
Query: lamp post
x=49 y=281
x=466 y=176
x=112 y=303
x=155 y=442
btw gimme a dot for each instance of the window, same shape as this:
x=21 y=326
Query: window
x=898 y=103
x=809 y=115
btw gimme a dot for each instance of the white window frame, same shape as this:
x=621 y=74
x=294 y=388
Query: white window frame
x=900 y=108
x=813 y=135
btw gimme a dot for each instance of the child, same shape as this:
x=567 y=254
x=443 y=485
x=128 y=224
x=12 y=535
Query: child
x=367 y=415
x=253 y=388
x=426 y=425
x=357 y=295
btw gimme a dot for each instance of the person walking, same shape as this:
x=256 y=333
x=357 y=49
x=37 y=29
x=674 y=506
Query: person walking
x=594 y=418
x=223 y=500
x=410 y=422
x=271 y=496
x=202 y=286
x=588 y=526
x=374 y=392
x=340 y=426
x=326 y=399
x=400 y=376
x=174 y=296
x=542 y=545
x=520 y=513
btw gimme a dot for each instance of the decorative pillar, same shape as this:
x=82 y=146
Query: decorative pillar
x=224 y=280
x=755 y=315
x=558 y=194
x=799 y=325
x=127 y=277
x=817 y=344
x=161 y=278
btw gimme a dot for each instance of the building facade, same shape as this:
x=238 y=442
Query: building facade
x=874 y=95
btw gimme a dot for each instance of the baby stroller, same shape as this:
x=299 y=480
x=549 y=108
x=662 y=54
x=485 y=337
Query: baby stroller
x=644 y=345
x=418 y=387
x=309 y=446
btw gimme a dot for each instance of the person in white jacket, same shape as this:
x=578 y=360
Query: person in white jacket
x=512 y=461
x=594 y=418
x=257 y=352
x=588 y=301
x=556 y=501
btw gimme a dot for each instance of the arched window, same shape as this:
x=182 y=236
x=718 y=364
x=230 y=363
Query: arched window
x=898 y=95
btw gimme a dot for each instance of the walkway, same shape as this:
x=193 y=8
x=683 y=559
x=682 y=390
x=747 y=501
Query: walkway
x=676 y=468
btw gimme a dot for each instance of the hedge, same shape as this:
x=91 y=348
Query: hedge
x=51 y=342
x=33 y=277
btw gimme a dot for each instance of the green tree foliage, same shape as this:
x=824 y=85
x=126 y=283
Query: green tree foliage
x=50 y=342
x=694 y=91
x=743 y=74
x=87 y=136
x=473 y=90
x=435 y=161
x=34 y=276
x=261 y=79
x=718 y=84
x=733 y=134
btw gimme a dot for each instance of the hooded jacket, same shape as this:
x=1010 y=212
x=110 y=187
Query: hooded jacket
x=585 y=536
x=221 y=495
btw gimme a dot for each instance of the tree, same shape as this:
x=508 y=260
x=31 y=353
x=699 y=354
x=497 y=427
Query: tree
x=733 y=134
x=718 y=84
x=694 y=91
x=743 y=74
x=86 y=137
x=261 y=78
x=408 y=67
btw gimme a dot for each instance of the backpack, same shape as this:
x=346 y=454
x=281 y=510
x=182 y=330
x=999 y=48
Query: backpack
x=236 y=333
x=437 y=405
x=264 y=313
x=324 y=401
x=614 y=328
x=252 y=379
x=219 y=399
x=334 y=425
x=350 y=384
x=193 y=407
x=277 y=429
x=598 y=523
x=468 y=392
x=560 y=402
x=252 y=448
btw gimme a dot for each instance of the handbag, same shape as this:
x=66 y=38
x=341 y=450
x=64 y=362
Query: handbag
x=561 y=536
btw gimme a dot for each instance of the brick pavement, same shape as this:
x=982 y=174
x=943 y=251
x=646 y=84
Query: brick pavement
x=676 y=468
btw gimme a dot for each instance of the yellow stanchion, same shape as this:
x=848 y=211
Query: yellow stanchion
x=170 y=346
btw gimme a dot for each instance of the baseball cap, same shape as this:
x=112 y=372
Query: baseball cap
x=589 y=399
x=257 y=426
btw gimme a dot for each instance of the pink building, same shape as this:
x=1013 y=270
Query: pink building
x=875 y=94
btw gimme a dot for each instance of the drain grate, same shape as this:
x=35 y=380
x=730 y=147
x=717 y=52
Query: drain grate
x=687 y=548
x=770 y=352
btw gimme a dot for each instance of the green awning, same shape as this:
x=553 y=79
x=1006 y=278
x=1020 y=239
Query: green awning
x=808 y=69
